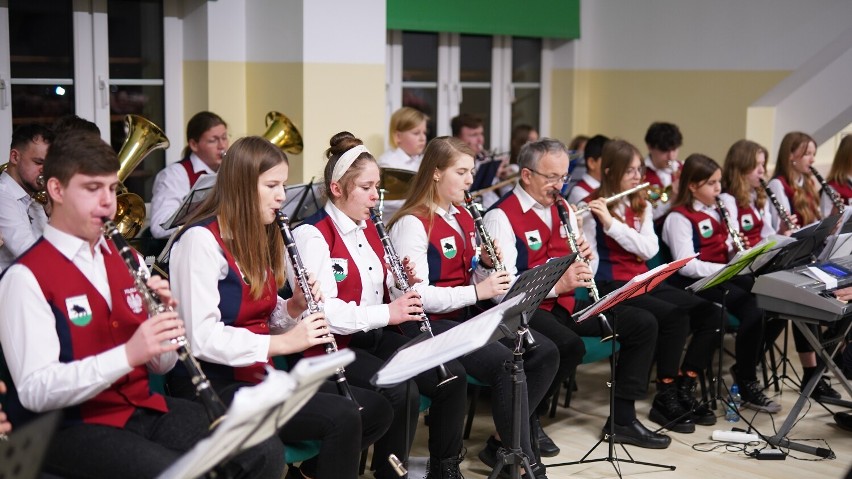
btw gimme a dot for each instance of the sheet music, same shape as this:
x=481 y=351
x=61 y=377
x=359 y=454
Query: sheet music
x=735 y=266
x=458 y=341
x=257 y=412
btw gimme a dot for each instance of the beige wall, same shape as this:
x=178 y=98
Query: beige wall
x=708 y=106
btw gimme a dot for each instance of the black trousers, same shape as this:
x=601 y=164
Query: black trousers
x=752 y=330
x=678 y=313
x=446 y=414
x=488 y=365
x=148 y=444
x=326 y=417
x=637 y=334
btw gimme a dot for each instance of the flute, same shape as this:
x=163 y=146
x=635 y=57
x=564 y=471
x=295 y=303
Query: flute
x=726 y=218
x=782 y=212
x=828 y=190
x=606 y=330
x=615 y=197
x=313 y=306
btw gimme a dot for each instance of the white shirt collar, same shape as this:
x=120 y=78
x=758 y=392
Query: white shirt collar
x=198 y=165
x=70 y=245
x=591 y=181
x=526 y=200
x=699 y=206
x=15 y=190
x=344 y=223
x=670 y=170
x=446 y=213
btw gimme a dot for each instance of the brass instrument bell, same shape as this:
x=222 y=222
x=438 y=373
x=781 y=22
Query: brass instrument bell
x=281 y=132
x=41 y=194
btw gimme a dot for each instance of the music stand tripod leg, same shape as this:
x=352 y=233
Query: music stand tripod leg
x=609 y=437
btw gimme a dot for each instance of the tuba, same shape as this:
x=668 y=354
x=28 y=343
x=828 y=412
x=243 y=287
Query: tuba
x=143 y=137
x=281 y=132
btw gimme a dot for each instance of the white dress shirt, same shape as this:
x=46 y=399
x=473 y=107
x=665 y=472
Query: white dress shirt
x=22 y=220
x=778 y=188
x=826 y=205
x=643 y=243
x=765 y=215
x=170 y=188
x=346 y=317
x=409 y=238
x=666 y=175
x=500 y=228
x=30 y=343
x=196 y=267
x=578 y=194
x=677 y=234
x=399 y=159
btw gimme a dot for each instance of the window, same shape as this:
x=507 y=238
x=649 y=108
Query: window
x=496 y=78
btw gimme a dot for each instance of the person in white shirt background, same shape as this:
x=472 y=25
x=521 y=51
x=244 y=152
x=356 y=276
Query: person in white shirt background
x=662 y=168
x=22 y=219
x=407 y=138
x=207 y=141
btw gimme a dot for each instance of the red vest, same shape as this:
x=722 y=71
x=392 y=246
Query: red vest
x=708 y=235
x=536 y=242
x=450 y=255
x=788 y=192
x=585 y=186
x=751 y=222
x=615 y=262
x=349 y=287
x=86 y=326
x=844 y=190
x=240 y=310
x=186 y=163
x=652 y=177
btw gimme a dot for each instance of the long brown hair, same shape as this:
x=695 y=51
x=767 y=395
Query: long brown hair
x=805 y=197
x=697 y=169
x=616 y=157
x=740 y=161
x=841 y=167
x=234 y=200
x=440 y=154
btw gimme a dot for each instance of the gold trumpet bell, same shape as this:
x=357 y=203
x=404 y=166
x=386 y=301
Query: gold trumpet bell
x=129 y=214
x=658 y=194
x=281 y=132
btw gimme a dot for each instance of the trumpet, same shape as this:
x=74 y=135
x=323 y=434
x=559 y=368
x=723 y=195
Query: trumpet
x=828 y=190
x=401 y=279
x=606 y=330
x=658 y=194
x=782 y=212
x=314 y=306
x=212 y=403
x=616 y=197
x=726 y=218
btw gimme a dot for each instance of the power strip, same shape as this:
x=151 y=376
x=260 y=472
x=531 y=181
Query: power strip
x=771 y=454
x=734 y=436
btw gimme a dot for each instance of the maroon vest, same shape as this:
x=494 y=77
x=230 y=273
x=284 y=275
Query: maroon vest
x=789 y=192
x=708 y=235
x=449 y=254
x=751 y=222
x=537 y=242
x=186 y=163
x=844 y=190
x=615 y=262
x=86 y=326
x=349 y=288
x=652 y=177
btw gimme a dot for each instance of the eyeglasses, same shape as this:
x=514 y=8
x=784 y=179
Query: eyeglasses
x=553 y=178
x=635 y=171
x=217 y=139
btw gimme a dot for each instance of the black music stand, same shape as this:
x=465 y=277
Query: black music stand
x=637 y=286
x=23 y=454
x=258 y=412
x=808 y=245
x=302 y=201
x=191 y=202
x=485 y=174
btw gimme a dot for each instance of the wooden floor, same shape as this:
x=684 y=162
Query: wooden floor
x=576 y=429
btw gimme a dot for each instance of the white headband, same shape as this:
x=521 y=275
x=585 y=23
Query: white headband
x=346 y=160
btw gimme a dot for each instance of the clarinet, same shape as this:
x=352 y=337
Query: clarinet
x=828 y=190
x=782 y=212
x=314 y=306
x=487 y=242
x=726 y=218
x=212 y=403
x=395 y=264
x=606 y=329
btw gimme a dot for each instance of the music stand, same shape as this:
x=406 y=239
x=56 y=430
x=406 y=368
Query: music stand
x=485 y=174
x=23 y=454
x=257 y=412
x=302 y=201
x=637 y=286
x=808 y=245
x=191 y=201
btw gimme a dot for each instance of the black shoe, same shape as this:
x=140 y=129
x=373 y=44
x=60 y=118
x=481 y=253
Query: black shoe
x=667 y=411
x=489 y=454
x=539 y=471
x=638 y=435
x=823 y=390
x=844 y=420
x=701 y=414
x=546 y=446
x=447 y=468
x=753 y=398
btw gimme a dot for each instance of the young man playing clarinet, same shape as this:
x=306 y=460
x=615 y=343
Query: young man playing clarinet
x=76 y=337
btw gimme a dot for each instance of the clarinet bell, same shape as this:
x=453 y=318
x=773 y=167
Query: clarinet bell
x=529 y=341
x=444 y=375
x=607 y=334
